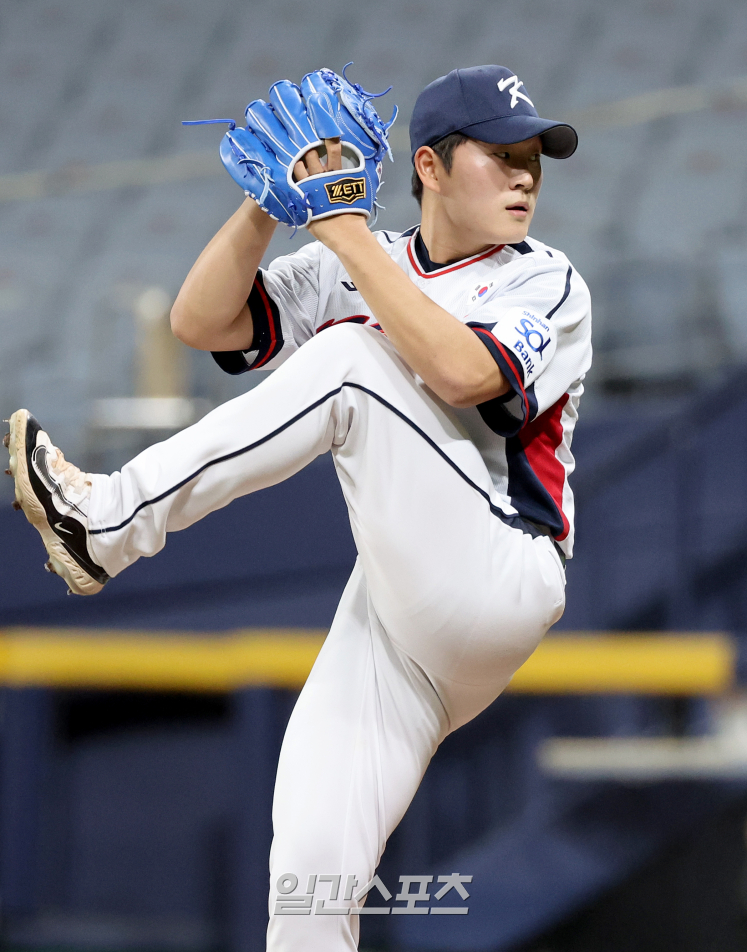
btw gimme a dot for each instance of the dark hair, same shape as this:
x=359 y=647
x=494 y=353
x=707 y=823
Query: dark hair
x=444 y=149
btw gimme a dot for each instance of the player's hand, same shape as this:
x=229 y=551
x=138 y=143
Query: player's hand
x=340 y=230
x=325 y=229
x=313 y=164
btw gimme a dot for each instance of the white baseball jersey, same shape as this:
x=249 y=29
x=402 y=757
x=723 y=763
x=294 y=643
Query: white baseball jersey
x=451 y=592
x=526 y=303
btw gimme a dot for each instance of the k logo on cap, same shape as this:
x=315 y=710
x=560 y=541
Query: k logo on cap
x=515 y=94
x=486 y=103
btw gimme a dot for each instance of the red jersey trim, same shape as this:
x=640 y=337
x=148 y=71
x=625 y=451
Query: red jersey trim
x=273 y=335
x=454 y=267
x=499 y=345
x=358 y=318
x=540 y=441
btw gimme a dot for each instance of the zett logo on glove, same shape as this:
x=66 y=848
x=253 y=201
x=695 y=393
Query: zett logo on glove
x=346 y=190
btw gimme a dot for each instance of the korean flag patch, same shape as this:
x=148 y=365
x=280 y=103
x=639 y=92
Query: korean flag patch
x=479 y=292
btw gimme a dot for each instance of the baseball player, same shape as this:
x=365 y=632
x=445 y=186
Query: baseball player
x=442 y=367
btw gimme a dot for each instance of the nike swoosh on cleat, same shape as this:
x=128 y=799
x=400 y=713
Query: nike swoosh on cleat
x=39 y=459
x=40 y=464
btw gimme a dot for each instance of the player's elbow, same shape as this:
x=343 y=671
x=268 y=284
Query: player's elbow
x=469 y=390
x=462 y=397
x=211 y=330
x=453 y=392
x=187 y=329
x=181 y=327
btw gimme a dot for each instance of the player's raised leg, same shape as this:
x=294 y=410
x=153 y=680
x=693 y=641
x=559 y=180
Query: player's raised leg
x=314 y=402
x=444 y=570
x=465 y=594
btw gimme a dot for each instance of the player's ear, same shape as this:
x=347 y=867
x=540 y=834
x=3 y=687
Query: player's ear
x=429 y=167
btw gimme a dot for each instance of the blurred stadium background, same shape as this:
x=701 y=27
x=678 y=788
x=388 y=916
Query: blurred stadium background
x=601 y=804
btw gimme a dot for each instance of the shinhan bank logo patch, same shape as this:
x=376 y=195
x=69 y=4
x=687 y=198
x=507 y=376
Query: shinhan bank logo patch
x=514 y=90
x=346 y=190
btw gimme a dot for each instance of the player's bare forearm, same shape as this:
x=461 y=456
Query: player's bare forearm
x=443 y=351
x=210 y=311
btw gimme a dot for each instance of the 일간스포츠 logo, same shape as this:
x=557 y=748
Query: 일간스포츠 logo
x=413 y=899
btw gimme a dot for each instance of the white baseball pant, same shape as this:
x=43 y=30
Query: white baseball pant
x=445 y=602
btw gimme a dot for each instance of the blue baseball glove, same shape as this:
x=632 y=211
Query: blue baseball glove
x=261 y=157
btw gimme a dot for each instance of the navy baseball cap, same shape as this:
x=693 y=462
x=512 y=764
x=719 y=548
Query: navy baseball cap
x=487 y=103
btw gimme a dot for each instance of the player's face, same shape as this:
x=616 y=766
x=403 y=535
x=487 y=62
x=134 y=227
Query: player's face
x=492 y=189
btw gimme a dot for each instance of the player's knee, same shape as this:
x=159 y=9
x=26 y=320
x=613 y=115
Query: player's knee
x=353 y=343
x=349 y=334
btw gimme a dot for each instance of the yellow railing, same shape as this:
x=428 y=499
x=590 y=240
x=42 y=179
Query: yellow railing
x=572 y=663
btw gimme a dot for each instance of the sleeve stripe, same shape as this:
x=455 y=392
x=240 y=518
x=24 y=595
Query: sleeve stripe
x=355 y=318
x=513 y=372
x=565 y=293
x=493 y=345
x=232 y=361
x=268 y=335
x=522 y=391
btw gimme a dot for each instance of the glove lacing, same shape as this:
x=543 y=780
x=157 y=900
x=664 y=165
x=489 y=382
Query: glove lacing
x=263 y=171
x=379 y=134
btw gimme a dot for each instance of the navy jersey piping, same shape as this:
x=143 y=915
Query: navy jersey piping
x=523 y=247
x=515 y=521
x=404 y=234
x=565 y=293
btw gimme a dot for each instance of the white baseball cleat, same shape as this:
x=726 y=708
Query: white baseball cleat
x=54 y=495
